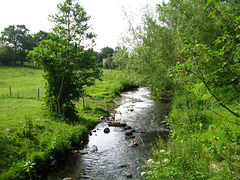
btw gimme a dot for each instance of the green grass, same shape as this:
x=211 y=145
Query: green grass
x=29 y=138
x=13 y=111
x=205 y=142
x=24 y=82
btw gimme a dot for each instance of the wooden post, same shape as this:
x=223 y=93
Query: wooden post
x=38 y=93
x=10 y=91
x=83 y=102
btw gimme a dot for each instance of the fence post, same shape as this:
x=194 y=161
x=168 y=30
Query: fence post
x=38 y=93
x=10 y=90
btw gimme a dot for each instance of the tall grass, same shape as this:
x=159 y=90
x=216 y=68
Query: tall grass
x=204 y=144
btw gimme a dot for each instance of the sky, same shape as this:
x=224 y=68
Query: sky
x=107 y=17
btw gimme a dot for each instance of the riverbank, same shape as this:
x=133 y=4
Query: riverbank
x=31 y=142
x=204 y=144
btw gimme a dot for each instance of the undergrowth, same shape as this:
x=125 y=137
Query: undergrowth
x=204 y=144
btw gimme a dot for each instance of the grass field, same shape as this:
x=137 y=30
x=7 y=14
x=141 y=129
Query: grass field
x=29 y=138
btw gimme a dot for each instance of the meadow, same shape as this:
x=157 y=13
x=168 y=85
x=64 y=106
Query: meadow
x=30 y=139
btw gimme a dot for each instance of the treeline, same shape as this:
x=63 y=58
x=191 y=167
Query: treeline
x=188 y=51
x=186 y=42
x=16 y=41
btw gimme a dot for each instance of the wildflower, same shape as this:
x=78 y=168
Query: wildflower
x=166 y=160
x=8 y=130
x=150 y=161
x=143 y=173
x=162 y=151
x=149 y=172
x=37 y=120
x=167 y=153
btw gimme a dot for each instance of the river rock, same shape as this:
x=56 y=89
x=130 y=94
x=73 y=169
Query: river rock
x=83 y=152
x=116 y=123
x=128 y=127
x=133 y=144
x=106 y=130
x=74 y=151
x=111 y=118
x=68 y=178
x=128 y=175
x=130 y=137
x=128 y=133
x=101 y=119
x=131 y=109
x=95 y=149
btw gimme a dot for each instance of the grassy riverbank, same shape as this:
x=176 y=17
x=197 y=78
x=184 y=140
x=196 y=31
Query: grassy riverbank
x=31 y=142
x=205 y=142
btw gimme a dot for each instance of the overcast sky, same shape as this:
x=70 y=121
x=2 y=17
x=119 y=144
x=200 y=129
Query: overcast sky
x=107 y=17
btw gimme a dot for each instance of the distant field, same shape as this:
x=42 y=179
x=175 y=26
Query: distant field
x=24 y=83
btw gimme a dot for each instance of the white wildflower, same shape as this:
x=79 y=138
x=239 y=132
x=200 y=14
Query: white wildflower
x=162 y=151
x=166 y=160
x=143 y=173
x=149 y=172
x=167 y=153
x=150 y=161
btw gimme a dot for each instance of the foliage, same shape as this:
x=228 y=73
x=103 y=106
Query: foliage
x=6 y=55
x=216 y=66
x=67 y=64
x=190 y=49
x=41 y=35
x=106 y=53
x=19 y=39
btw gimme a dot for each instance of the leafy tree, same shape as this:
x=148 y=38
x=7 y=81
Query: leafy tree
x=107 y=52
x=218 y=66
x=41 y=35
x=6 y=55
x=19 y=39
x=153 y=54
x=67 y=63
x=189 y=17
x=121 y=57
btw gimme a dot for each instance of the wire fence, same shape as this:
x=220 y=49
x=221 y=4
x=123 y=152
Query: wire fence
x=20 y=93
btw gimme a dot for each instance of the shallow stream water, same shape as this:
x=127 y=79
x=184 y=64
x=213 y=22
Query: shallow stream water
x=114 y=157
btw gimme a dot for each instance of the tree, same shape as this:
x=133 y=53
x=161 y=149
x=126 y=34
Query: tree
x=19 y=39
x=6 y=55
x=107 y=52
x=67 y=63
x=41 y=35
x=217 y=66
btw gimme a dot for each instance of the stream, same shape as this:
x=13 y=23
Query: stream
x=110 y=155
